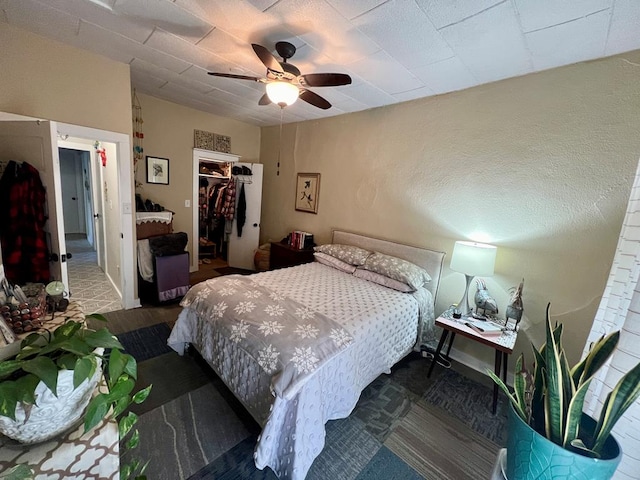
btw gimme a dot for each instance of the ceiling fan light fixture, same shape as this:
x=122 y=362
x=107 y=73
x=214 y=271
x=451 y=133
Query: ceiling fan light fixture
x=282 y=93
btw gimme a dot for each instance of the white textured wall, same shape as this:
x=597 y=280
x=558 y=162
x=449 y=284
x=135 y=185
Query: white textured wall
x=539 y=165
x=620 y=310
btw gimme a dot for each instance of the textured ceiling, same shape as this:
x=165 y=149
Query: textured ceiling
x=394 y=50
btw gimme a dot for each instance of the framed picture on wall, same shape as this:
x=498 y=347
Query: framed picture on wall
x=307 y=191
x=157 y=170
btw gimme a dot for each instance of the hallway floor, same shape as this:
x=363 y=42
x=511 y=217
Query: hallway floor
x=88 y=284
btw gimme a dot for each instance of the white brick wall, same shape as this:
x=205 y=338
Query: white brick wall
x=620 y=310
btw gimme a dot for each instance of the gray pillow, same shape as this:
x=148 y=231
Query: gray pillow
x=347 y=253
x=383 y=280
x=398 y=269
x=334 y=262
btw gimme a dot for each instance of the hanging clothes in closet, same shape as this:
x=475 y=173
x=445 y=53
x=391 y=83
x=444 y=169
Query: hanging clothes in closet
x=242 y=210
x=212 y=214
x=22 y=220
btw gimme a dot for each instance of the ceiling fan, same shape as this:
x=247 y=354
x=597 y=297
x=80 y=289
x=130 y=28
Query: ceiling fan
x=284 y=82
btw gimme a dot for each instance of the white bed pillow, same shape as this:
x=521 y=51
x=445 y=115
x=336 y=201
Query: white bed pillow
x=347 y=253
x=383 y=280
x=397 y=269
x=334 y=262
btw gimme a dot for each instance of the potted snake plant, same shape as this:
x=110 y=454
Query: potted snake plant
x=546 y=421
x=49 y=386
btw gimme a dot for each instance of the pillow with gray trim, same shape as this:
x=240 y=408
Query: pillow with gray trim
x=398 y=269
x=334 y=262
x=382 y=280
x=347 y=253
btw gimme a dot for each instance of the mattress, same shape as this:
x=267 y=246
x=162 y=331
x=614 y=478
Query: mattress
x=384 y=324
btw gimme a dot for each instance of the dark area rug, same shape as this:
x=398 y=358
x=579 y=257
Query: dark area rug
x=233 y=270
x=470 y=402
x=192 y=427
x=146 y=342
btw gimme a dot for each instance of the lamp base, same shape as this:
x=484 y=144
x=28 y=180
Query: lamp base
x=463 y=305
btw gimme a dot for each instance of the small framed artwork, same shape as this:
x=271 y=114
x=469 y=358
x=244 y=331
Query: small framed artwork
x=307 y=191
x=157 y=170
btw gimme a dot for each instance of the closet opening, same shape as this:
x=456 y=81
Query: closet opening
x=227 y=201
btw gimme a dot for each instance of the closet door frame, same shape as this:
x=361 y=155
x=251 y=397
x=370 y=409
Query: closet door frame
x=205 y=156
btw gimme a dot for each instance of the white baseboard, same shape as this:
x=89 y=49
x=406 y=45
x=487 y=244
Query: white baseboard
x=478 y=365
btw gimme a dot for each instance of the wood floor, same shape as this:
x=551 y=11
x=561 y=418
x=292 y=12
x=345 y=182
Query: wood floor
x=207 y=270
x=439 y=446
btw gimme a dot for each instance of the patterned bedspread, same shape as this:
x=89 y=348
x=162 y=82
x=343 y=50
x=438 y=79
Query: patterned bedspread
x=287 y=339
x=383 y=323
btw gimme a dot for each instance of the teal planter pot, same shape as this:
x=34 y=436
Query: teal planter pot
x=532 y=456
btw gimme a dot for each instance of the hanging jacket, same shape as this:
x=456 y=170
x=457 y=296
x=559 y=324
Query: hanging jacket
x=22 y=219
x=229 y=203
x=241 y=214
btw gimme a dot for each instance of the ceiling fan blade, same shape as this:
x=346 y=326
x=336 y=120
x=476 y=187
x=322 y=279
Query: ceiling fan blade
x=229 y=75
x=264 y=100
x=314 y=99
x=325 y=79
x=267 y=58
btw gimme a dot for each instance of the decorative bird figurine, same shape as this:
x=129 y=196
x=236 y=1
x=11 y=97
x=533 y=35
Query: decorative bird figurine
x=515 y=307
x=484 y=301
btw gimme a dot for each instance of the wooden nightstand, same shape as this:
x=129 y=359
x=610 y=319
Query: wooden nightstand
x=503 y=345
x=283 y=255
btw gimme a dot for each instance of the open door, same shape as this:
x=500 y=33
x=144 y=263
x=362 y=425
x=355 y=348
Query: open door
x=93 y=197
x=97 y=202
x=88 y=199
x=35 y=142
x=242 y=248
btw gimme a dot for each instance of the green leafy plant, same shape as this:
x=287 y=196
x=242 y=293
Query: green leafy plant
x=551 y=399
x=73 y=346
x=18 y=472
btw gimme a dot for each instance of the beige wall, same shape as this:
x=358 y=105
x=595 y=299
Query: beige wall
x=168 y=133
x=46 y=79
x=540 y=166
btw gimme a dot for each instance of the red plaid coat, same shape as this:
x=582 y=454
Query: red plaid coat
x=22 y=218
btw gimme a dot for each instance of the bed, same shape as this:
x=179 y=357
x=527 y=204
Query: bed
x=376 y=327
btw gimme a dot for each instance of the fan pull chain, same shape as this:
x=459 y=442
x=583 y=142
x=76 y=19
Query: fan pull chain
x=280 y=140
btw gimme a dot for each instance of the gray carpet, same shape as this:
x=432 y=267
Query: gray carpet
x=405 y=426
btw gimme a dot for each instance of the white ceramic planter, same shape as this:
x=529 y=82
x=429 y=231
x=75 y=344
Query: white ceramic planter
x=51 y=415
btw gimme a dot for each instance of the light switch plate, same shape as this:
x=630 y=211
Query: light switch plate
x=187 y=203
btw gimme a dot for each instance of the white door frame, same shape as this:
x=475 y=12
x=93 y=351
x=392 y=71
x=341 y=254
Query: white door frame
x=127 y=220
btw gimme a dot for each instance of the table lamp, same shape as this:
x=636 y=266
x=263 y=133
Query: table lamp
x=474 y=260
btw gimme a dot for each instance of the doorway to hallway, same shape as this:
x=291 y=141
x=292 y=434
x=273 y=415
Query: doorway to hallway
x=88 y=284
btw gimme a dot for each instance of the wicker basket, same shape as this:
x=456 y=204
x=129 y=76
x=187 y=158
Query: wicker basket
x=261 y=257
x=27 y=316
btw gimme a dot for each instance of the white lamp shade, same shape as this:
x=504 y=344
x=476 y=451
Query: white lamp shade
x=474 y=259
x=282 y=93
